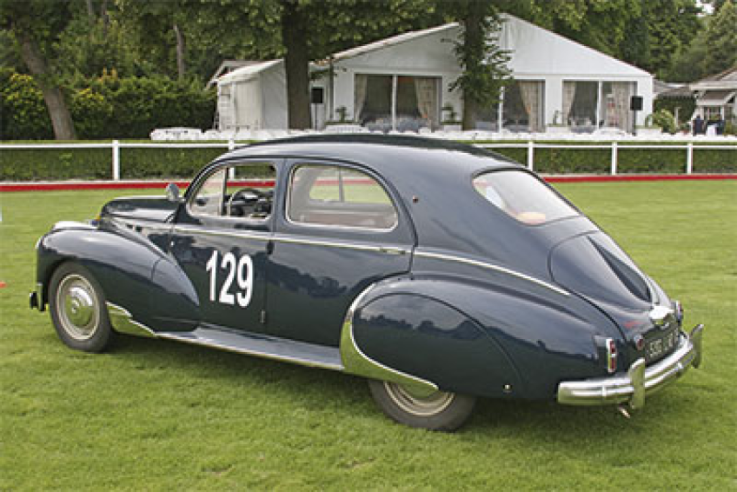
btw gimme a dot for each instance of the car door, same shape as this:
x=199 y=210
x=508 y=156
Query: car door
x=220 y=240
x=339 y=229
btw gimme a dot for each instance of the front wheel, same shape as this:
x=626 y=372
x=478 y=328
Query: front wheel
x=441 y=411
x=77 y=306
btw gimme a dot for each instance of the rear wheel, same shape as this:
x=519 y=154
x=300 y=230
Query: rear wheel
x=441 y=411
x=77 y=306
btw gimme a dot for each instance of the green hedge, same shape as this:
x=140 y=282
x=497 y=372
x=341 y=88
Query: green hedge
x=598 y=161
x=55 y=164
x=58 y=164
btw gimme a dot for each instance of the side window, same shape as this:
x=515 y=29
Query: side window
x=209 y=198
x=243 y=191
x=340 y=197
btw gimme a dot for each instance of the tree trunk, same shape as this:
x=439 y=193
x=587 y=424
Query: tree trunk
x=181 y=68
x=296 y=62
x=105 y=18
x=90 y=13
x=473 y=39
x=61 y=119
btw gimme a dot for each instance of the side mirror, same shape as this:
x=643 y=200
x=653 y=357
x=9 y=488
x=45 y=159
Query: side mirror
x=172 y=193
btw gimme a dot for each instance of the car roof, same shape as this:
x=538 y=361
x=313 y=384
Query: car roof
x=387 y=154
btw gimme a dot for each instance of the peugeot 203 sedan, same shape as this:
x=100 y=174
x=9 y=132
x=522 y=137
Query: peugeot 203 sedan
x=438 y=271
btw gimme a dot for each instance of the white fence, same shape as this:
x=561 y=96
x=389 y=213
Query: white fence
x=115 y=146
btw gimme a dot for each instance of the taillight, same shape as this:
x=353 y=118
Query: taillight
x=611 y=355
x=678 y=309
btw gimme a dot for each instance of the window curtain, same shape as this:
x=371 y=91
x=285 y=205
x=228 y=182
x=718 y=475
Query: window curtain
x=359 y=97
x=621 y=96
x=530 y=92
x=426 y=89
x=569 y=94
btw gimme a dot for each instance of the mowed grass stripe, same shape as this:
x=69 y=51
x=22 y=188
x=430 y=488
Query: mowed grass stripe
x=156 y=415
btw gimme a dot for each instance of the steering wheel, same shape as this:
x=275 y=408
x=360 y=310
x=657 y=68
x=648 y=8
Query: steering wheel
x=241 y=197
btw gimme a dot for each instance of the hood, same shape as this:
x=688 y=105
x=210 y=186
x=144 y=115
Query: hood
x=156 y=209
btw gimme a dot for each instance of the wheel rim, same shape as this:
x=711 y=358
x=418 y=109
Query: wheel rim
x=423 y=407
x=77 y=306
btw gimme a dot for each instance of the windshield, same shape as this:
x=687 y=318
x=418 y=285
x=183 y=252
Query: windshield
x=522 y=197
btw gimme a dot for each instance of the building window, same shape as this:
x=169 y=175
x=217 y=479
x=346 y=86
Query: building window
x=589 y=105
x=580 y=105
x=521 y=109
x=396 y=102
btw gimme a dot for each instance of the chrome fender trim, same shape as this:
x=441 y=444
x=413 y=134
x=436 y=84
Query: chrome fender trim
x=493 y=267
x=358 y=363
x=123 y=322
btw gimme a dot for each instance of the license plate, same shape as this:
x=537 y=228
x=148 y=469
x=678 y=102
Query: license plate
x=658 y=347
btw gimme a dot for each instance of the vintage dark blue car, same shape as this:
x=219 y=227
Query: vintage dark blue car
x=440 y=272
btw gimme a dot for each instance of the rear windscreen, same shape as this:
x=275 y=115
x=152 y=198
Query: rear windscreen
x=522 y=196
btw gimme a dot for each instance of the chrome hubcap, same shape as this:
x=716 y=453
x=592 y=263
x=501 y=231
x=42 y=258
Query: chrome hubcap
x=423 y=407
x=77 y=307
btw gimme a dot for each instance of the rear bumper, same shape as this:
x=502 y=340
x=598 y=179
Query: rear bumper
x=639 y=380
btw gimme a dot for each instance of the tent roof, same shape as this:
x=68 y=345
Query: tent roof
x=538 y=51
x=249 y=71
x=391 y=41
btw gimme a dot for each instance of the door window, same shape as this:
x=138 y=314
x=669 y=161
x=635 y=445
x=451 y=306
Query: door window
x=242 y=191
x=339 y=197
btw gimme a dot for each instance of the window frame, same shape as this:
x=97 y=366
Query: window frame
x=228 y=167
x=336 y=227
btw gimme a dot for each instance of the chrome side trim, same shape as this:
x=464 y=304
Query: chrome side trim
x=639 y=381
x=333 y=244
x=357 y=362
x=219 y=233
x=186 y=337
x=392 y=250
x=123 y=322
x=491 y=266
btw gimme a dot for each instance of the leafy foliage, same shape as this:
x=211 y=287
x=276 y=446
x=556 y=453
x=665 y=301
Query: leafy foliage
x=712 y=50
x=22 y=107
x=107 y=106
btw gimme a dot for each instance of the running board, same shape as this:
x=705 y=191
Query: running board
x=242 y=342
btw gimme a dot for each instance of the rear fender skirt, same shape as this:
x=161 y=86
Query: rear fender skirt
x=397 y=335
x=133 y=274
x=479 y=338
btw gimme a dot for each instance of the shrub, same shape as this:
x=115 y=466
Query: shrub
x=23 y=109
x=665 y=120
x=106 y=106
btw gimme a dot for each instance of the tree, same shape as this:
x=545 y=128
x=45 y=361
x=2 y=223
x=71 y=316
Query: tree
x=294 y=29
x=721 y=38
x=35 y=26
x=483 y=62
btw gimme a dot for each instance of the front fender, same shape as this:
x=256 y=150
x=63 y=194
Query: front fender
x=132 y=272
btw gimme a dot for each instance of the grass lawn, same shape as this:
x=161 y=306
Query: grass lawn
x=156 y=415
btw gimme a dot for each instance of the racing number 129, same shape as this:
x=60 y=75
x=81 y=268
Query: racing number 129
x=239 y=269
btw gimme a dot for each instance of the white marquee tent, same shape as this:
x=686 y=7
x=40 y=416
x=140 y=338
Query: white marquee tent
x=403 y=83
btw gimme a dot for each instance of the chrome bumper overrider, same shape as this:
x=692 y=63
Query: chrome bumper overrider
x=639 y=381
